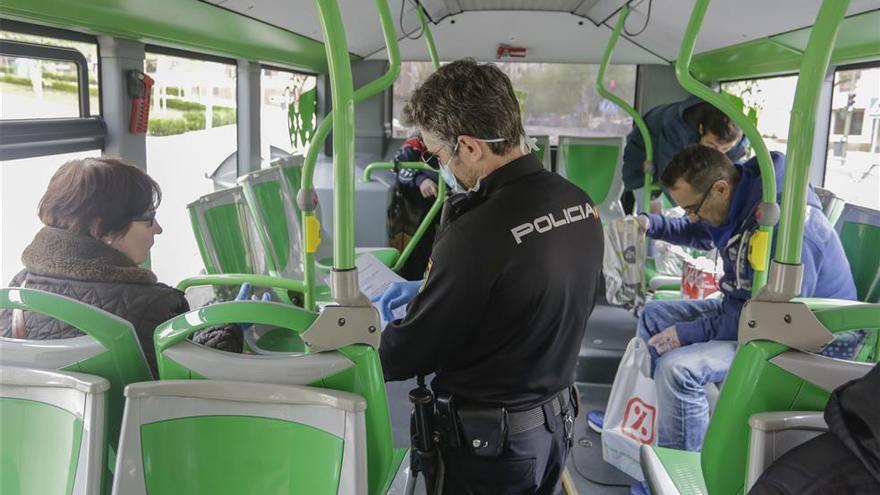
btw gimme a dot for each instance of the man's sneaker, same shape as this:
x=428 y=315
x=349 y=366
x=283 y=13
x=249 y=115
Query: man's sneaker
x=640 y=488
x=595 y=420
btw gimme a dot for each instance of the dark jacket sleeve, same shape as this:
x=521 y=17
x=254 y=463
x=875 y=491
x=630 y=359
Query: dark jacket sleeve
x=440 y=318
x=166 y=304
x=853 y=417
x=679 y=231
x=633 y=158
x=410 y=152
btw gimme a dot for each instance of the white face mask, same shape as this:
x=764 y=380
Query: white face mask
x=450 y=178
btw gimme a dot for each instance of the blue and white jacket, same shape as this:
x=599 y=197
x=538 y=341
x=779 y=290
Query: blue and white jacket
x=826 y=269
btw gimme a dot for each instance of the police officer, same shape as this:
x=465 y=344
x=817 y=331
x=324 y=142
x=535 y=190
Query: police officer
x=511 y=282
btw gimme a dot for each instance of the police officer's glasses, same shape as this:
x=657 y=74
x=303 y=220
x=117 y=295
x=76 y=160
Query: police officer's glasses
x=149 y=217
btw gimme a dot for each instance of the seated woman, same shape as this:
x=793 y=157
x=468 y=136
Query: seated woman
x=100 y=223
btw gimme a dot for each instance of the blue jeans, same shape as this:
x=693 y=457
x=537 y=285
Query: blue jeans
x=681 y=374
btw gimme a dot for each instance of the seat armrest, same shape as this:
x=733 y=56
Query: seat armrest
x=788 y=420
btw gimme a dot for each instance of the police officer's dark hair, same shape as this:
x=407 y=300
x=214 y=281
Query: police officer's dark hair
x=699 y=166
x=467 y=98
x=718 y=123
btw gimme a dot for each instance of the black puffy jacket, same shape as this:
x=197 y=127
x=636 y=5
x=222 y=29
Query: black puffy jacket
x=82 y=268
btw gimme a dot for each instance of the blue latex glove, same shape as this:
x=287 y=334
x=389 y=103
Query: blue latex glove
x=396 y=295
x=244 y=293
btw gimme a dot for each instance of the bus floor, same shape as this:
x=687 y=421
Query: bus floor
x=591 y=475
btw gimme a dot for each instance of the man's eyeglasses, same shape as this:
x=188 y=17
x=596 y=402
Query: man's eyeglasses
x=149 y=217
x=695 y=210
x=429 y=157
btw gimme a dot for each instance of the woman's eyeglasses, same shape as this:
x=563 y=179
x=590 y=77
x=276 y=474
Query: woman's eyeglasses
x=149 y=217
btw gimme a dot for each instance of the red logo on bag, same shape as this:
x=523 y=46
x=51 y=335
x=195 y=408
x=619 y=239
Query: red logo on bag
x=638 y=421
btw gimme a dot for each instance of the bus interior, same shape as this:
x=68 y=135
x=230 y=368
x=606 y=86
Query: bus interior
x=231 y=106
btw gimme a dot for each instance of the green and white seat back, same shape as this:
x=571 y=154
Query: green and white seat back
x=271 y=199
x=859 y=231
x=53 y=428
x=832 y=204
x=543 y=152
x=110 y=348
x=594 y=165
x=225 y=233
x=764 y=377
x=214 y=437
x=355 y=369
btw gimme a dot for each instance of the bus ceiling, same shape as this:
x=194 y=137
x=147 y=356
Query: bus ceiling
x=288 y=33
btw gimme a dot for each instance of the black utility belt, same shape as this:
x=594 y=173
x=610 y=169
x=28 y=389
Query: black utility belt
x=483 y=430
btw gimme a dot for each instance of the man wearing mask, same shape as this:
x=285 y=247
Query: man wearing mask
x=512 y=280
x=673 y=127
x=692 y=343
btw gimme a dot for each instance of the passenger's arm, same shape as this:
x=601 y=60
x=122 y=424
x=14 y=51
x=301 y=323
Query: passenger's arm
x=441 y=317
x=679 y=231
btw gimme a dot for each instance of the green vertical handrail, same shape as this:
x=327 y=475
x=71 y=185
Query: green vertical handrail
x=768 y=175
x=648 y=166
x=363 y=93
x=429 y=217
x=803 y=124
x=429 y=38
x=342 y=96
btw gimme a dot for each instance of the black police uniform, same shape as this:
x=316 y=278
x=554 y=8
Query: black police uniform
x=512 y=280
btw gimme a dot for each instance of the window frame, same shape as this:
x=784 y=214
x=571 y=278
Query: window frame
x=28 y=138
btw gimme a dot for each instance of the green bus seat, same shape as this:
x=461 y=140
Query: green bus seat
x=53 y=429
x=214 y=437
x=543 y=152
x=832 y=204
x=594 y=165
x=859 y=231
x=225 y=233
x=773 y=378
x=775 y=433
x=271 y=195
x=355 y=369
x=110 y=348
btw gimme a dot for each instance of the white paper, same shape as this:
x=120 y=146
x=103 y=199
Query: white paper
x=373 y=279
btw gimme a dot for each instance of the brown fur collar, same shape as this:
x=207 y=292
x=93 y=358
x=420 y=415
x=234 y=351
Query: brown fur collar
x=61 y=253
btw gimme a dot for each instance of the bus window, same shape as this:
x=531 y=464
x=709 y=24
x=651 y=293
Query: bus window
x=191 y=139
x=555 y=99
x=33 y=88
x=281 y=91
x=852 y=168
x=772 y=99
x=22 y=184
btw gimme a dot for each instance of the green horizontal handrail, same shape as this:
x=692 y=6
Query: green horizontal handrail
x=279 y=285
x=849 y=316
x=177 y=329
x=429 y=217
x=648 y=166
x=688 y=82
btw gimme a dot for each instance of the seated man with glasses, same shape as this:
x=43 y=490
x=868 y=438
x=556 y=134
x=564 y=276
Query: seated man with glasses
x=692 y=343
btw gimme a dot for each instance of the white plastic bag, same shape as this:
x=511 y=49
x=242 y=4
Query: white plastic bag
x=624 y=263
x=631 y=414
